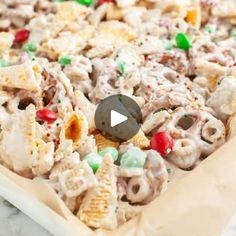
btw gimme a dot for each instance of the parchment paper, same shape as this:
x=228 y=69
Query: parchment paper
x=199 y=204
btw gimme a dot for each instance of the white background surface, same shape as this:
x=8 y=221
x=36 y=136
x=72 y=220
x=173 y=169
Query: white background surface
x=14 y=223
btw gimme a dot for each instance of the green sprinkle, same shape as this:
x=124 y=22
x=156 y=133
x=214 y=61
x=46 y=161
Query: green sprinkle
x=58 y=101
x=111 y=151
x=94 y=160
x=185 y=116
x=168 y=170
x=65 y=60
x=210 y=29
x=183 y=41
x=3 y=63
x=168 y=45
x=233 y=34
x=133 y=158
x=122 y=68
x=159 y=110
x=30 y=47
x=85 y=2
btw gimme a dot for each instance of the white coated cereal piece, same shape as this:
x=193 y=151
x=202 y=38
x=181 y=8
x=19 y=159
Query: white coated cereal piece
x=185 y=153
x=175 y=60
x=20 y=14
x=86 y=107
x=156 y=174
x=75 y=128
x=98 y=208
x=6 y=41
x=88 y=146
x=39 y=29
x=122 y=187
x=178 y=25
x=64 y=150
x=75 y=181
x=207 y=68
x=43 y=157
x=96 y=17
x=125 y=3
x=71 y=11
x=23 y=76
x=71 y=160
x=114 y=12
x=79 y=68
x=207 y=131
x=17 y=142
x=100 y=51
x=231 y=127
x=128 y=56
x=19 y=139
x=140 y=140
x=154 y=120
x=223 y=99
x=118 y=29
x=133 y=17
x=224 y=9
x=105 y=74
x=147 y=44
x=138 y=189
x=127 y=211
x=66 y=43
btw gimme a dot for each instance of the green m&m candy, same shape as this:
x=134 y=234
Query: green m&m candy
x=30 y=47
x=64 y=60
x=3 y=63
x=110 y=150
x=133 y=158
x=183 y=41
x=233 y=33
x=94 y=161
x=85 y=2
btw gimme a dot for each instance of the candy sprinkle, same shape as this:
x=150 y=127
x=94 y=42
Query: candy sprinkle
x=122 y=68
x=162 y=142
x=100 y=2
x=183 y=41
x=21 y=35
x=65 y=60
x=233 y=34
x=30 y=47
x=94 y=161
x=3 y=63
x=85 y=2
x=46 y=115
x=210 y=29
x=111 y=150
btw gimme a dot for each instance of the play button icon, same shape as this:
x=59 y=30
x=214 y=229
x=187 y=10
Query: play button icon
x=118 y=117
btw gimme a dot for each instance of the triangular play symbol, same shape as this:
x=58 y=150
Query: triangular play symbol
x=117 y=118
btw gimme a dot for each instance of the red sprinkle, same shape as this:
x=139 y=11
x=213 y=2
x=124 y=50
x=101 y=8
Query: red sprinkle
x=21 y=35
x=100 y=2
x=162 y=142
x=46 y=115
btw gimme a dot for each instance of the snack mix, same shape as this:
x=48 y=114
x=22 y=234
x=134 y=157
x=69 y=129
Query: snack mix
x=60 y=59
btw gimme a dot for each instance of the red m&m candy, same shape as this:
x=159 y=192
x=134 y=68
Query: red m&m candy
x=100 y=2
x=162 y=142
x=21 y=35
x=46 y=115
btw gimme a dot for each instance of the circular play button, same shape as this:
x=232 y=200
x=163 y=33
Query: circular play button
x=118 y=117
